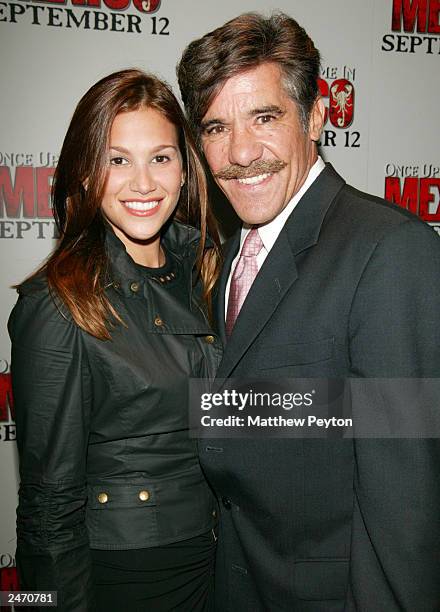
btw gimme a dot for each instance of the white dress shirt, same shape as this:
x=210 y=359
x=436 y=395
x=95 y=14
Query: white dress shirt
x=270 y=231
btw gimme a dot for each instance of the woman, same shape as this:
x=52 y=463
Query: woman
x=114 y=513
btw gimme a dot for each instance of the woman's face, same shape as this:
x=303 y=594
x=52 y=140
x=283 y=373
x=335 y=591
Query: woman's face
x=144 y=180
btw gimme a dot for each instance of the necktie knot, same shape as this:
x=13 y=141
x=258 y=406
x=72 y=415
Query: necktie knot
x=252 y=244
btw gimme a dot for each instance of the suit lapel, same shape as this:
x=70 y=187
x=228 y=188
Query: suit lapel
x=279 y=270
x=231 y=250
x=269 y=287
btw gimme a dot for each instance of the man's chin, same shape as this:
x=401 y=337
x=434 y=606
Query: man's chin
x=255 y=212
x=254 y=219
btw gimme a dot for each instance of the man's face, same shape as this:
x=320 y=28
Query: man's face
x=255 y=143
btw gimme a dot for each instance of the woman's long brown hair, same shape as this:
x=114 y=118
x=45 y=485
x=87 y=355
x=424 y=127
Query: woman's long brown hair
x=77 y=269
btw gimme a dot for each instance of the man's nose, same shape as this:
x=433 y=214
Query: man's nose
x=142 y=180
x=244 y=147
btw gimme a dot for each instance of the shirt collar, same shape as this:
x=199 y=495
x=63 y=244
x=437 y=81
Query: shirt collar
x=270 y=231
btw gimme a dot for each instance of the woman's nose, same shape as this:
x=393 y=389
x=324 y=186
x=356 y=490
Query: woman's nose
x=142 y=180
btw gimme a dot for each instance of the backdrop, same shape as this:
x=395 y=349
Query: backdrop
x=379 y=80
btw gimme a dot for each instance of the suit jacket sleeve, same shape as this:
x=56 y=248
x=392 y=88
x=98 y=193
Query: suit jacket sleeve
x=395 y=332
x=51 y=386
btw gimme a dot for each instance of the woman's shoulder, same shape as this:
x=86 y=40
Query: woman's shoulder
x=35 y=286
x=35 y=290
x=38 y=312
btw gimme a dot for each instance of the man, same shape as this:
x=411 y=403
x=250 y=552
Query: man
x=339 y=284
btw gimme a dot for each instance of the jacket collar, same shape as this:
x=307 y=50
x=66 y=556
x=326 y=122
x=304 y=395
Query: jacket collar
x=279 y=271
x=175 y=316
x=181 y=241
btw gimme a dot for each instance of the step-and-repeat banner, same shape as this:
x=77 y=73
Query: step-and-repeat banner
x=380 y=82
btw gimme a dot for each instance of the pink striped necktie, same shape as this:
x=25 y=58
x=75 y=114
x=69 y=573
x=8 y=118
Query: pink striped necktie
x=244 y=275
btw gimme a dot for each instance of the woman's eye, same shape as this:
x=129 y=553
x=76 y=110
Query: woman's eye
x=118 y=161
x=160 y=159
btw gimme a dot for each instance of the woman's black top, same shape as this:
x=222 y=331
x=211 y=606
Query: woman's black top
x=106 y=461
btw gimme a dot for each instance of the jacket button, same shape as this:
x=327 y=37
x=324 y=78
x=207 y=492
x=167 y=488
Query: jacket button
x=116 y=285
x=209 y=339
x=226 y=503
x=158 y=322
x=103 y=498
x=144 y=495
x=134 y=287
x=214 y=513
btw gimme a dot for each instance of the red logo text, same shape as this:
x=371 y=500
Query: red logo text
x=27 y=194
x=421 y=196
x=340 y=94
x=416 y=15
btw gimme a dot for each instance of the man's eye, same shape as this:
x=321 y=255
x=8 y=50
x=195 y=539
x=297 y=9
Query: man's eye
x=265 y=118
x=215 y=129
x=118 y=161
x=160 y=159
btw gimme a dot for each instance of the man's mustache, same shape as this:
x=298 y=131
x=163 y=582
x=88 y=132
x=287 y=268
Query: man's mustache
x=235 y=171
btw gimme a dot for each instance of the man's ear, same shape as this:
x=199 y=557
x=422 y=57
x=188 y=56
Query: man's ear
x=316 y=121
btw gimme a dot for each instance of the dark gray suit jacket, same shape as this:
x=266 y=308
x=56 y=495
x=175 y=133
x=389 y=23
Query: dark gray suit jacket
x=351 y=288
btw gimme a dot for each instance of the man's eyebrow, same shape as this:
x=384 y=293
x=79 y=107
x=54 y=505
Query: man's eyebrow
x=272 y=109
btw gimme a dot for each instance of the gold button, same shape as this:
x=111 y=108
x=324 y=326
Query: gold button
x=214 y=513
x=158 y=321
x=209 y=339
x=116 y=285
x=103 y=498
x=134 y=287
x=144 y=495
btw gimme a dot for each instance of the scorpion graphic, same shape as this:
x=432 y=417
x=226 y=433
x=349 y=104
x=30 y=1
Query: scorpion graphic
x=342 y=103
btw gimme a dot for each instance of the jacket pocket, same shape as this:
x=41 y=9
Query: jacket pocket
x=115 y=511
x=320 y=579
x=300 y=353
x=142 y=513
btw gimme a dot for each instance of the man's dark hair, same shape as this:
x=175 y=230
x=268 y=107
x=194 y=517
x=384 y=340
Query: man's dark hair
x=244 y=43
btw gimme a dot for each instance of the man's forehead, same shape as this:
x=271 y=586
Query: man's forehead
x=259 y=87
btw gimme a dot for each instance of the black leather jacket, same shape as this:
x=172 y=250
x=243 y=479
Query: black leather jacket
x=105 y=457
